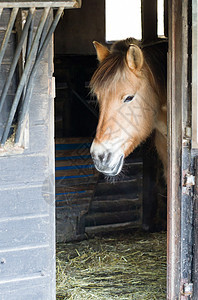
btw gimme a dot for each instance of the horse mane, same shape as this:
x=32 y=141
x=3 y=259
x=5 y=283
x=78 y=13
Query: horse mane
x=111 y=69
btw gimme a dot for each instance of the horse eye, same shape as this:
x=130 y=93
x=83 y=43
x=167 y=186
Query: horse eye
x=128 y=99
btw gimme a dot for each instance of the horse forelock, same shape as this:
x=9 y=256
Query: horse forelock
x=109 y=72
x=112 y=69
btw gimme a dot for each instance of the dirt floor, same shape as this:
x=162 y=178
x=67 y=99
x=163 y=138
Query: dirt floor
x=119 y=266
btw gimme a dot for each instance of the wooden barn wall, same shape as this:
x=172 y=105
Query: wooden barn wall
x=79 y=27
x=27 y=218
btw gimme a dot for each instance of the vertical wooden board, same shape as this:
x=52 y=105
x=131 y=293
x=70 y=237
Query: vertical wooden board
x=51 y=177
x=179 y=152
x=149 y=20
x=39 y=109
x=3 y=75
x=40 y=85
x=38 y=139
x=9 y=53
x=195 y=252
x=5 y=110
x=5 y=18
x=194 y=75
x=174 y=149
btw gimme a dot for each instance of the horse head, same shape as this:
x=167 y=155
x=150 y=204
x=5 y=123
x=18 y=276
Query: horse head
x=128 y=104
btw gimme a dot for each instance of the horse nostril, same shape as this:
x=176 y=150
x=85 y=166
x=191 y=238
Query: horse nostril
x=101 y=157
x=104 y=157
x=108 y=157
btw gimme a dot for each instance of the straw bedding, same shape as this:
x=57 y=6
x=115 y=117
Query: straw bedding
x=123 y=266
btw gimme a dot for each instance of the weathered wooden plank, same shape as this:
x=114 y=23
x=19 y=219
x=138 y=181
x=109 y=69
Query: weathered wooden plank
x=24 y=231
x=118 y=197
x=39 y=109
x=15 y=264
x=68 y=146
x=74 y=201
x=22 y=170
x=5 y=16
x=69 y=182
x=74 y=162
x=118 y=204
x=77 y=140
x=38 y=139
x=195 y=252
x=3 y=75
x=97 y=219
x=31 y=288
x=44 y=3
x=21 y=201
x=41 y=81
x=70 y=198
x=65 y=154
x=5 y=110
x=120 y=188
x=9 y=52
x=67 y=226
x=80 y=187
x=73 y=210
x=75 y=172
x=179 y=153
x=111 y=227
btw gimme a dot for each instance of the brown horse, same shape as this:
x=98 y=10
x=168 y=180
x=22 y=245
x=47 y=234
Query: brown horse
x=130 y=85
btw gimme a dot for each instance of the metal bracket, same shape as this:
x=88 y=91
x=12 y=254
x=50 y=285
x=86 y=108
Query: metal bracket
x=189 y=180
x=188 y=132
x=188 y=183
x=187 y=289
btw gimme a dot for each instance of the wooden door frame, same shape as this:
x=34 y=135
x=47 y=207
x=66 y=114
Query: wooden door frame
x=180 y=200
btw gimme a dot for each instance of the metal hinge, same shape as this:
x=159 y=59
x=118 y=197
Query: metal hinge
x=188 y=182
x=187 y=136
x=187 y=289
x=188 y=132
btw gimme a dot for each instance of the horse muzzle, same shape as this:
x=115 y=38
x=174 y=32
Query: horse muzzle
x=106 y=162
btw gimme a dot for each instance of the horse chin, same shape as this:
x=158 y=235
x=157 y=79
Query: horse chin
x=116 y=168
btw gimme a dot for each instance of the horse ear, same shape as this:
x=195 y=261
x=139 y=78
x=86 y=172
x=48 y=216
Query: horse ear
x=102 y=51
x=134 y=57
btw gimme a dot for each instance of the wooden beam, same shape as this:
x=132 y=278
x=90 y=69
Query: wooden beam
x=149 y=20
x=111 y=227
x=41 y=4
x=179 y=154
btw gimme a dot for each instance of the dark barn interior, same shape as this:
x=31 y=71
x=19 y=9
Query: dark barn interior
x=97 y=205
x=87 y=205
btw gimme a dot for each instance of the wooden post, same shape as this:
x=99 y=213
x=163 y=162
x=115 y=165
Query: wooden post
x=149 y=20
x=179 y=155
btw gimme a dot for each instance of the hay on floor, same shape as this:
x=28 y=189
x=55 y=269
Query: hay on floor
x=123 y=266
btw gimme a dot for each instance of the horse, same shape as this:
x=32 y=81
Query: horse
x=130 y=85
